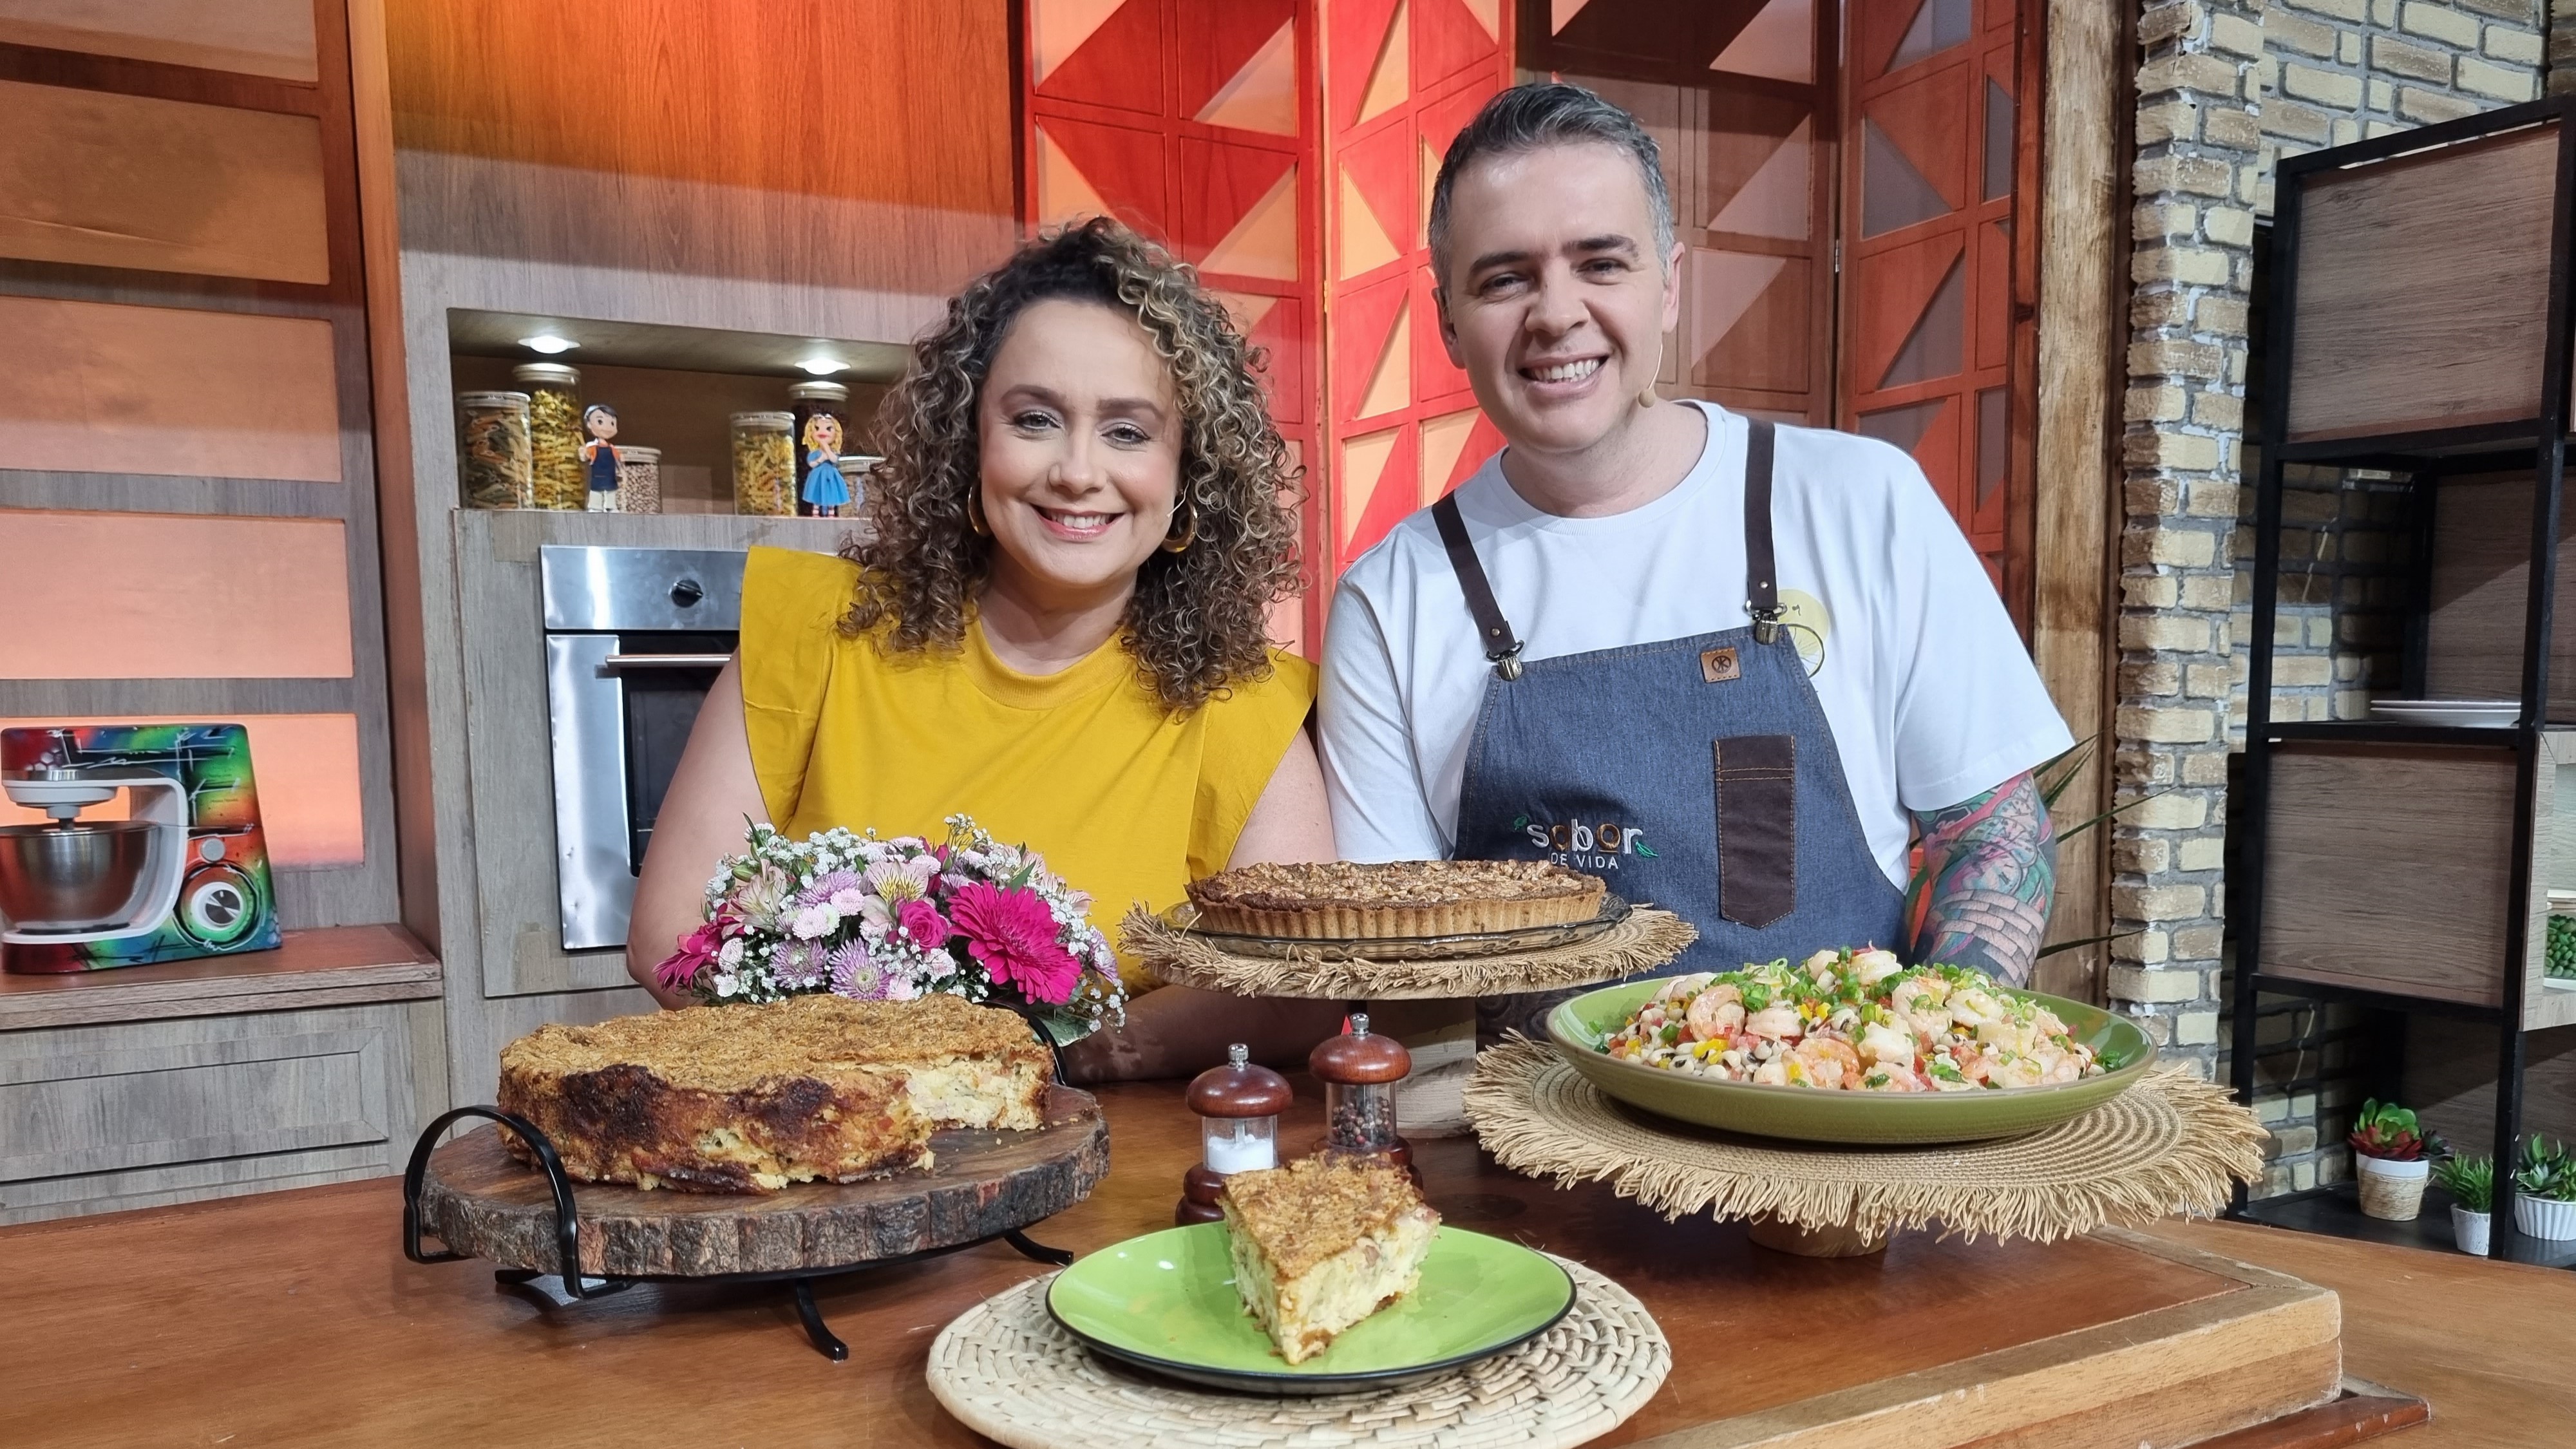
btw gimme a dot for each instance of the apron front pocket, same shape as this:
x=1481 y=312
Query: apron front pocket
x=1757 y=827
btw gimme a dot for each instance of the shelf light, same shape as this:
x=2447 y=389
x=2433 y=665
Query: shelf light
x=823 y=366
x=548 y=343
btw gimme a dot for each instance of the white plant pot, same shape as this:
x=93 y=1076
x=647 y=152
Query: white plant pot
x=2392 y=1191
x=2545 y=1218
x=2469 y=1230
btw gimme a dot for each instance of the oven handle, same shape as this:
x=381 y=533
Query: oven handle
x=616 y=662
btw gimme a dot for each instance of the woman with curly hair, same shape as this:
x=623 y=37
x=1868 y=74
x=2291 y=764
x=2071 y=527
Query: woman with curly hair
x=1057 y=628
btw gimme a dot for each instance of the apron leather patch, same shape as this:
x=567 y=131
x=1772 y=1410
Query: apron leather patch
x=1757 y=827
x=1716 y=666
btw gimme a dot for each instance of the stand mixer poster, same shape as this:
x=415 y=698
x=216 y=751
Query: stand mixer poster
x=184 y=875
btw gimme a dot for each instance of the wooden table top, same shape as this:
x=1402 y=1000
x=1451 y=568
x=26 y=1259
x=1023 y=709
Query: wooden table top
x=291 y=1318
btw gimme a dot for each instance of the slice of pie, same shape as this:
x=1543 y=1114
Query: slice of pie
x=1343 y=900
x=752 y=1098
x=1322 y=1243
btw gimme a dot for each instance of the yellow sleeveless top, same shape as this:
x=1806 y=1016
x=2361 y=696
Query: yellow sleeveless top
x=1085 y=765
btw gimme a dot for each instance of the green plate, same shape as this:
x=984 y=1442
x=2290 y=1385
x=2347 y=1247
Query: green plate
x=1806 y=1114
x=1167 y=1302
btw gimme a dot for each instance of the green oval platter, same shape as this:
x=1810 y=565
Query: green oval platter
x=1167 y=1302
x=1806 y=1114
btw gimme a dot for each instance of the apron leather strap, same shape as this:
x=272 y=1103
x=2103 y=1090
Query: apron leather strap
x=1502 y=646
x=1761 y=577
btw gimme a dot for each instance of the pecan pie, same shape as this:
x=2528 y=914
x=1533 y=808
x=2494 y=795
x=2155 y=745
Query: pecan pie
x=1342 y=901
x=752 y=1098
x=1323 y=1243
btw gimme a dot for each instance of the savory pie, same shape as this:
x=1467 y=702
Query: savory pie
x=1322 y=1243
x=1342 y=900
x=752 y=1098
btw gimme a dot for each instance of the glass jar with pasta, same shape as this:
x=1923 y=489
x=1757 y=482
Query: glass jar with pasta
x=554 y=433
x=764 y=465
x=492 y=455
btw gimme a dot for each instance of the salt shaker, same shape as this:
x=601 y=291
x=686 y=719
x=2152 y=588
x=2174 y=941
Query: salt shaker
x=1238 y=1106
x=1359 y=1070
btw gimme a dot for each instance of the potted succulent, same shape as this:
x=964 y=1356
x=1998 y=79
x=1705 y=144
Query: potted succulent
x=2471 y=1183
x=2393 y=1156
x=2544 y=1204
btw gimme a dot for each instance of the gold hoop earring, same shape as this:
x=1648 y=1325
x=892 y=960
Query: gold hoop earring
x=975 y=515
x=1180 y=542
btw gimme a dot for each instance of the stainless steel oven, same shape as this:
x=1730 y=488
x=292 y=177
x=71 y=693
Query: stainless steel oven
x=634 y=638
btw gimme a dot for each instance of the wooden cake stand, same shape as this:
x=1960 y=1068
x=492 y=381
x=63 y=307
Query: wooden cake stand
x=481 y=1202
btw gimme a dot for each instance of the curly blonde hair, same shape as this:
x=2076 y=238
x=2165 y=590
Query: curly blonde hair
x=1196 y=623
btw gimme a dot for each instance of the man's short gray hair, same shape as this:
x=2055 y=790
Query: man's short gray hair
x=1548 y=113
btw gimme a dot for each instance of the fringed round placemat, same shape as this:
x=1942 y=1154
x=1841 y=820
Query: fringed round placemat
x=2172 y=1143
x=1646 y=939
x=1007 y=1371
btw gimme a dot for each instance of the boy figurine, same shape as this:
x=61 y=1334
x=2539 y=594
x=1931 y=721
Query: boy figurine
x=599 y=456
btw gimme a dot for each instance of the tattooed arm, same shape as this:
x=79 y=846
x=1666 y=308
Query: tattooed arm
x=1980 y=897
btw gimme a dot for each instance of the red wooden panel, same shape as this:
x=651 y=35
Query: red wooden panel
x=1375 y=496
x=1383 y=165
x=1221 y=183
x=1355 y=35
x=1127 y=166
x=1990 y=303
x=1122 y=64
x=1437 y=382
x=1215 y=39
x=1928 y=119
x=1894 y=287
x=1447 y=42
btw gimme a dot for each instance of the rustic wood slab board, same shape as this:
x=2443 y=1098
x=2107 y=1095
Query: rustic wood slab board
x=2261 y=1346
x=480 y=1200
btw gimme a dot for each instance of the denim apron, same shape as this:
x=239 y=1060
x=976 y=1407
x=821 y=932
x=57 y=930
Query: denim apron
x=1697 y=774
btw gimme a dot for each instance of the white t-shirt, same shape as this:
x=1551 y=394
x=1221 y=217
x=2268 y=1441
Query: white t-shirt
x=1927 y=688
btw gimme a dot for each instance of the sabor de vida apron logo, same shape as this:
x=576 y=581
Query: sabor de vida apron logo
x=1590 y=845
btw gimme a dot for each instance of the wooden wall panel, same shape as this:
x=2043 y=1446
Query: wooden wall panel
x=158 y=596
x=2481 y=586
x=101 y=387
x=879 y=99
x=2340 y=912
x=306 y=769
x=249 y=37
x=2409 y=318
x=107 y=180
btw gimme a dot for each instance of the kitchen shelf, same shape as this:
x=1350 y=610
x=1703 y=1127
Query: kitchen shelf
x=330 y=966
x=2408 y=867
x=2432 y=450
x=2335 y=1210
x=2357 y=731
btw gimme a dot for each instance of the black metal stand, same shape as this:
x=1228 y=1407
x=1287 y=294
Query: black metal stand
x=800 y=1281
x=2539 y=442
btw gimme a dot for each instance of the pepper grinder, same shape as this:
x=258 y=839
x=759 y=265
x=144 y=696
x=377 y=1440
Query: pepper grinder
x=1238 y=1106
x=1359 y=1070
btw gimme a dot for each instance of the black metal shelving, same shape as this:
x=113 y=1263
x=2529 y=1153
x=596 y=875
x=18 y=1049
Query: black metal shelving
x=2427 y=456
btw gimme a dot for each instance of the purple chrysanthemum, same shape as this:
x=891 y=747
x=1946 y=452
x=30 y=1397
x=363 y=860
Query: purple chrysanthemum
x=856 y=975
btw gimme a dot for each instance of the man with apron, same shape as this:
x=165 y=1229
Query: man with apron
x=1733 y=668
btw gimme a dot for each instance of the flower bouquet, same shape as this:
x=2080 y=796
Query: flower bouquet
x=892 y=920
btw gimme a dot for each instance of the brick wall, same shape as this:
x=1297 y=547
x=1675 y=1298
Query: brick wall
x=2225 y=88
x=2562 y=46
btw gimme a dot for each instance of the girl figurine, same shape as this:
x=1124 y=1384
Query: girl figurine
x=599 y=456
x=825 y=491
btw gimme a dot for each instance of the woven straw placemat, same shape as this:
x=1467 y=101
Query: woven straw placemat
x=2171 y=1143
x=1646 y=939
x=1008 y=1372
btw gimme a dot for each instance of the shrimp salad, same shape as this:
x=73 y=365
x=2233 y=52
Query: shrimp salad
x=1853 y=1021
